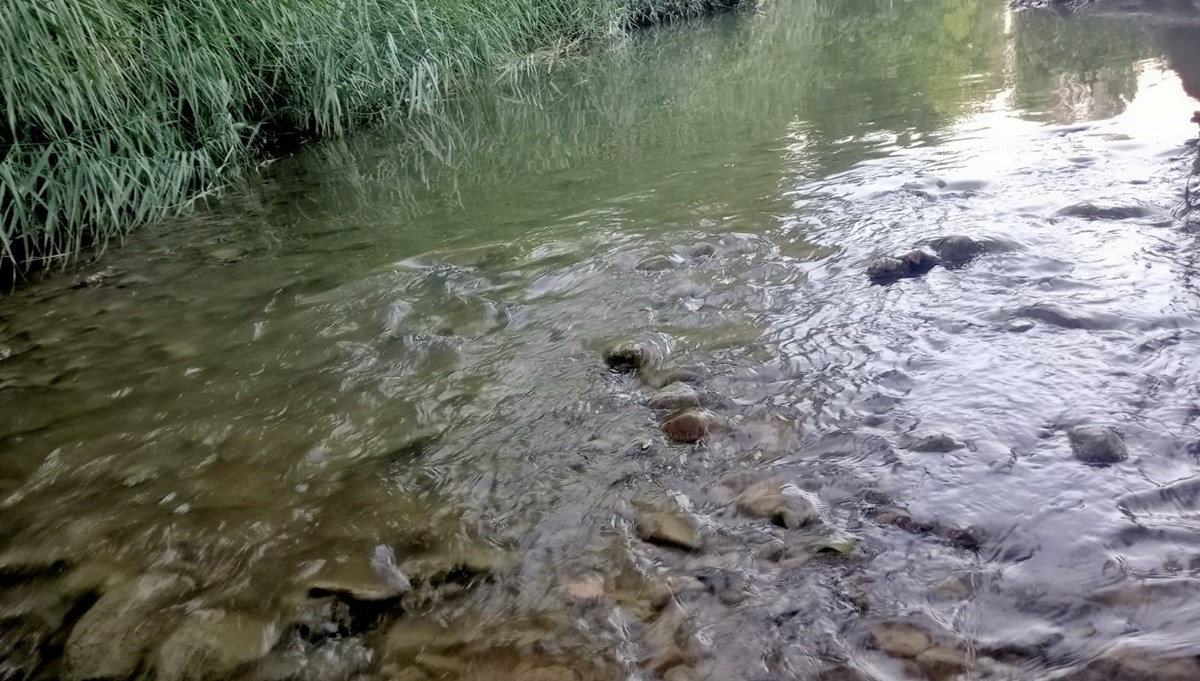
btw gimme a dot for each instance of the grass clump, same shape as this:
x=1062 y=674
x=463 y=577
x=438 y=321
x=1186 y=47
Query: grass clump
x=117 y=112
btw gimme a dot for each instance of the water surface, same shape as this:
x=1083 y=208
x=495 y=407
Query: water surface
x=384 y=355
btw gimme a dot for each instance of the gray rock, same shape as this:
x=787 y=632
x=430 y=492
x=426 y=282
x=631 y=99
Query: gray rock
x=935 y=444
x=205 y=650
x=783 y=504
x=1096 y=211
x=115 y=635
x=669 y=526
x=702 y=249
x=674 y=397
x=886 y=268
x=1128 y=663
x=1098 y=445
x=957 y=250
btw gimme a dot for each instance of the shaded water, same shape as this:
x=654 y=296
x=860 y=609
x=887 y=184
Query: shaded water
x=378 y=365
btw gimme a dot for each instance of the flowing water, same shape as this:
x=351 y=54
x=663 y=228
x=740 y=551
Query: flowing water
x=353 y=420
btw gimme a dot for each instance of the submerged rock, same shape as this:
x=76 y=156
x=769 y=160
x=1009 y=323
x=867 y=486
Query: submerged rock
x=782 y=504
x=702 y=249
x=362 y=581
x=900 y=639
x=207 y=650
x=1125 y=663
x=674 y=397
x=669 y=526
x=957 y=250
x=1097 y=445
x=690 y=426
x=115 y=635
x=657 y=263
x=1097 y=211
x=934 y=444
x=555 y=673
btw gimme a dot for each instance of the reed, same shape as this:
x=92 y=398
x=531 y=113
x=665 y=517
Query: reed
x=118 y=112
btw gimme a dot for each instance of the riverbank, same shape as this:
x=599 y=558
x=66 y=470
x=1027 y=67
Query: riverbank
x=121 y=113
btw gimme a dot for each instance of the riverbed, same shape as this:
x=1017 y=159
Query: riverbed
x=360 y=416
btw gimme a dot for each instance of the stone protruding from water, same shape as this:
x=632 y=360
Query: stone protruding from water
x=625 y=356
x=112 y=638
x=1098 y=445
x=781 y=503
x=957 y=250
x=674 y=397
x=692 y=425
x=668 y=525
x=887 y=269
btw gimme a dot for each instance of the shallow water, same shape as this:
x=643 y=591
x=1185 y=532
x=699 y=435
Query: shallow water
x=384 y=357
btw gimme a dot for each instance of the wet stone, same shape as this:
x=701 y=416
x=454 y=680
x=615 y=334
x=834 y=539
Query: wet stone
x=625 y=356
x=373 y=580
x=555 y=673
x=657 y=263
x=701 y=249
x=957 y=250
x=1136 y=664
x=886 y=269
x=20 y=565
x=690 y=426
x=935 y=444
x=783 y=504
x=674 y=397
x=206 y=650
x=113 y=637
x=668 y=526
x=1097 y=445
x=680 y=673
x=900 y=639
x=943 y=662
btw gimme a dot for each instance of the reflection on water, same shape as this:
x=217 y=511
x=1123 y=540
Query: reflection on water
x=353 y=421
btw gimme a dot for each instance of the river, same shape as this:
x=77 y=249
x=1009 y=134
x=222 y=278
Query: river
x=352 y=418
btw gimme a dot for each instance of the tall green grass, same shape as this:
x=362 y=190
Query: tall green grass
x=114 y=113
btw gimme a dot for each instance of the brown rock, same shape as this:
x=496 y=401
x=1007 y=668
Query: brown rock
x=690 y=426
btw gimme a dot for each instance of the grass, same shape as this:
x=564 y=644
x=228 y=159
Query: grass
x=115 y=113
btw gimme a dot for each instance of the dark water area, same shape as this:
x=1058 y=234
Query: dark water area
x=353 y=419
